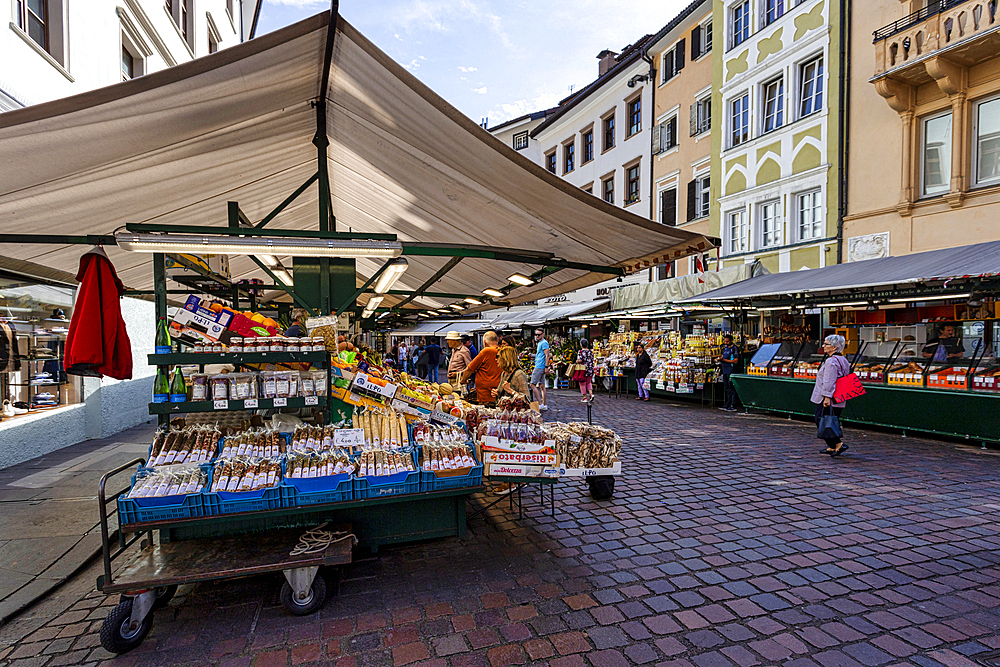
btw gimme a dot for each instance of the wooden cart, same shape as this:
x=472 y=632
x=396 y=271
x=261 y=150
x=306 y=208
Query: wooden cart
x=150 y=577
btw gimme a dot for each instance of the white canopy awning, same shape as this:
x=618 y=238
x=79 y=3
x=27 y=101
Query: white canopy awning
x=175 y=146
x=442 y=327
x=539 y=316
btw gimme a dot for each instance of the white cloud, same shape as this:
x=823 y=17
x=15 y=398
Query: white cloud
x=507 y=111
x=300 y=4
x=481 y=91
x=467 y=69
x=412 y=66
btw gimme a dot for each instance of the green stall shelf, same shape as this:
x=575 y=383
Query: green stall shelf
x=958 y=414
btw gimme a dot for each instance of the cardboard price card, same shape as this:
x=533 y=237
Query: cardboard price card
x=370 y=385
x=616 y=469
x=526 y=458
x=349 y=438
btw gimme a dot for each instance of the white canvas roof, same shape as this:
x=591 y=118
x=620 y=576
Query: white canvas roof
x=175 y=146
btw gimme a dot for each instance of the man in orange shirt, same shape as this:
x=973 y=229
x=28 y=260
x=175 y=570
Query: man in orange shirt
x=486 y=369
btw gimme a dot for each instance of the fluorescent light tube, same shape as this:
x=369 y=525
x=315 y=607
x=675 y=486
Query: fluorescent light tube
x=390 y=276
x=493 y=292
x=365 y=314
x=283 y=276
x=374 y=302
x=270 y=260
x=518 y=279
x=455 y=306
x=474 y=302
x=256 y=245
x=930 y=298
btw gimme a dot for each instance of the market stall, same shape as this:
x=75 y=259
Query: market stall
x=922 y=332
x=216 y=160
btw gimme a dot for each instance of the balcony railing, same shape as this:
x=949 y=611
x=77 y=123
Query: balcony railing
x=939 y=25
x=919 y=16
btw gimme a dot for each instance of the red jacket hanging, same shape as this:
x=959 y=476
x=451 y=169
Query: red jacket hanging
x=97 y=343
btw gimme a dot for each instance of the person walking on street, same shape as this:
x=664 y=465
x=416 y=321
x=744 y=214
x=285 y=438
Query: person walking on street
x=420 y=360
x=403 y=356
x=460 y=360
x=643 y=364
x=486 y=369
x=543 y=360
x=834 y=367
x=433 y=360
x=728 y=361
x=586 y=357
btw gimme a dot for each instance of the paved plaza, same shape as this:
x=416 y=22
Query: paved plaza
x=729 y=541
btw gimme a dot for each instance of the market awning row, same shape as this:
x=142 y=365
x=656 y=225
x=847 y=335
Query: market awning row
x=940 y=267
x=442 y=327
x=540 y=316
x=173 y=147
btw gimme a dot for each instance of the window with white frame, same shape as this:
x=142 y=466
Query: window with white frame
x=987 y=141
x=701 y=40
x=811 y=87
x=633 y=113
x=587 y=146
x=672 y=61
x=774 y=105
x=701 y=115
x=608 y=189
x=699 y=197
x=769 y=216
x=737 y=232
x=42 y=22
x=772 y=10
x=936 y=155
x=550 y=161
x=128 y=64
x=520 y=140
x=182 y=14
x=739 y=19
x=739 y=118
x=809 y=214
x=632 y=184
x=665 y=135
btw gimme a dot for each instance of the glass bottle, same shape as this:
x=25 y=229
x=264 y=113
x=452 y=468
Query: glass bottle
x=161 y=385
x=162 y=343
x=178 y=388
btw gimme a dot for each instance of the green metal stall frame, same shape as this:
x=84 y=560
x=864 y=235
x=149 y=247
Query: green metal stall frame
x=968 y=415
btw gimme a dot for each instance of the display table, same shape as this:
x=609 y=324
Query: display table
x=962 y=414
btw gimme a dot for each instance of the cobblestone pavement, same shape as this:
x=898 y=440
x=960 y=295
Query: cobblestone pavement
x=730 y=541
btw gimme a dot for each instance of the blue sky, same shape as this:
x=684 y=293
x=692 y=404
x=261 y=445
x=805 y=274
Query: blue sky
x=489 y=58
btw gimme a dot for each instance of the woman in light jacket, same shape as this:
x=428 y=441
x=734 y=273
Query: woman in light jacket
x=834 y=367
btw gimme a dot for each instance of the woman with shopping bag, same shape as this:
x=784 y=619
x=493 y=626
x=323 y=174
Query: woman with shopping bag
x=584 y=374
x=828 y=409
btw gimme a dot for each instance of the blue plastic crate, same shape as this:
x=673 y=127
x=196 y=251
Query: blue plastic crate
x=164 y=508
x=231 y=502
x=431 y=482
x=391 y=485
x=317 y=490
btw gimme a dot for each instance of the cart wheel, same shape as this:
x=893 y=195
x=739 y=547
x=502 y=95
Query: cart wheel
x=164 y=594
x=116 y=636
x=314 y=600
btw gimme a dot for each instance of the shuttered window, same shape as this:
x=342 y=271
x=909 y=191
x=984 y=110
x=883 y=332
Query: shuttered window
x=668 y=206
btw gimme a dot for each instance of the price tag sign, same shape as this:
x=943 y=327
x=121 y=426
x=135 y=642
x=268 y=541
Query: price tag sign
x=280 y=402
x=444 y=417
x=349 y=437
x=575 y=438
x=311 y=400
x=250 y=404
x=220 y=405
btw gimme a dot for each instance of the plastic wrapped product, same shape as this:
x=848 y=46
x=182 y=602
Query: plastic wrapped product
x=199 y=387
x=219 y=385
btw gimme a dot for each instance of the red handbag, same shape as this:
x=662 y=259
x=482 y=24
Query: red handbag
x=847 y=387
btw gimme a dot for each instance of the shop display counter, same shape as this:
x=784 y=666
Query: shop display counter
x=964 y=414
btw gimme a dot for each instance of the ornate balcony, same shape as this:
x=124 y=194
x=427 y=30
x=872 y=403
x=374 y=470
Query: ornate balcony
x=967 y=32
